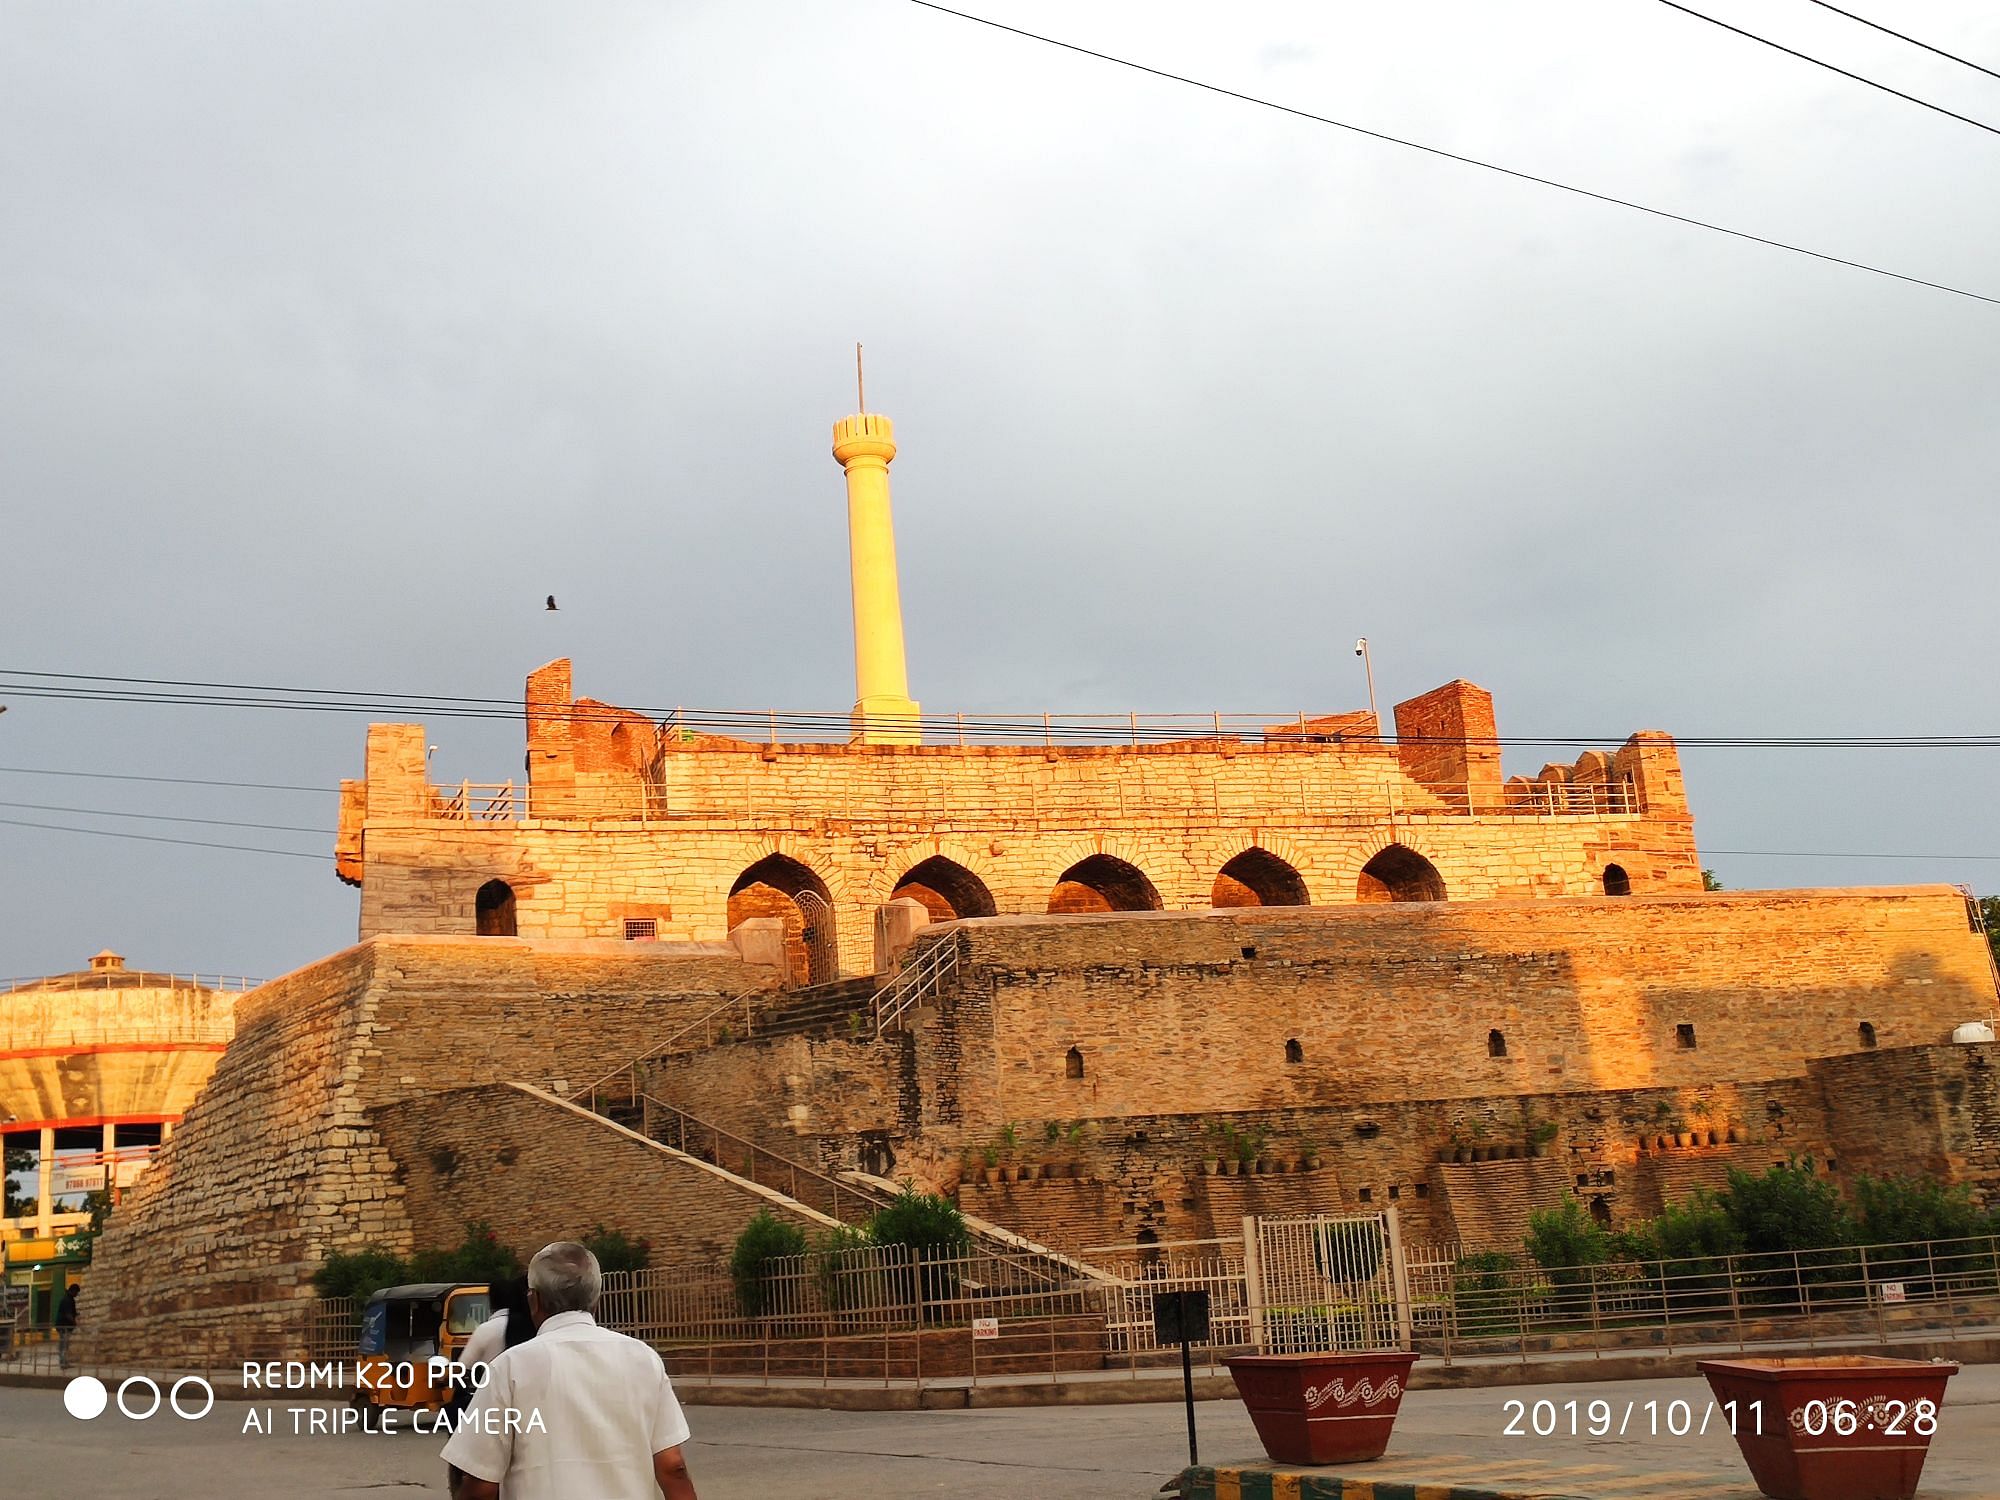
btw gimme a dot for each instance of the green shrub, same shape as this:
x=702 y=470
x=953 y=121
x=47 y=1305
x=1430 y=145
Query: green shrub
x=764 y=1239
x=1484 y=1295
x=1790 y=1207
x=934 y=1232
x=616 y=1251
x=1903 y=1210
x=1565 y=1240
x=360 y=1273
x=843 y=1282
x=928 y=1224
x=478 y=1257
x=1349 y=1251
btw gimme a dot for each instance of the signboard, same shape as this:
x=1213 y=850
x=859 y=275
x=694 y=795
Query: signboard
x=986 y=1328
x=73 y=1179
x=1180 y=1317
x=89 y=1175
x=1892 y=1291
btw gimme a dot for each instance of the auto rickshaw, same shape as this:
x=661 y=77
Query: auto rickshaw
x=410 y=1341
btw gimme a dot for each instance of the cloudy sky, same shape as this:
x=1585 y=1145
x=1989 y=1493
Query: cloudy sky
x=334 y=337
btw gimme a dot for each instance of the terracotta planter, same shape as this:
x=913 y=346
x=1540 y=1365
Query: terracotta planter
x=1715 y=1138
x=1733 y=1135
x=1790 y=1413
x=1462 y=1155
x=1227 y=1166
x=1008 y=1174
x=1322 y=1408
x=1683 y=1139
x=1513 y=1153
x=1210 y=1168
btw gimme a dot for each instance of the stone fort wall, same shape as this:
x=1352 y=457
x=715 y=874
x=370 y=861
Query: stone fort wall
x=280 y=1160
x=622 y=821
x=1181 y=1025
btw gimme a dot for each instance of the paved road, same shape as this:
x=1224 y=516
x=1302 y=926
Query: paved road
x=1049 y=1453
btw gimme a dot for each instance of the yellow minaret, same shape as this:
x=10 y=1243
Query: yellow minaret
x=884 y=712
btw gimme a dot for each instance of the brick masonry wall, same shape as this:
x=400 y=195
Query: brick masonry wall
x=862 y=816
x=1926 y=1109
x=1398 y=1002
x=278 y=1162
x=540 y=1171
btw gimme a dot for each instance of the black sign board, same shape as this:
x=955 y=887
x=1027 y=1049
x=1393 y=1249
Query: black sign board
x=1180 y=1317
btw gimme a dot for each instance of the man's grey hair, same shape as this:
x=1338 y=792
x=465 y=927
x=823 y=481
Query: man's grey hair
x=565 y=1277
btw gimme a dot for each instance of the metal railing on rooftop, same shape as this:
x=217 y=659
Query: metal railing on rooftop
x=131 y=979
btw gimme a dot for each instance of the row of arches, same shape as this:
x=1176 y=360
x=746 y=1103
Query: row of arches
x=781 y=886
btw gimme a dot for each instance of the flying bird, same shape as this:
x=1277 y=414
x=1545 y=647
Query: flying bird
x=552 y=601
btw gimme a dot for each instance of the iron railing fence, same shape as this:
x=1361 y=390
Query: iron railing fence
x=882 y=1313
x=130 y=979
x=1134 y=792
x=734 y=1017
x=925 y=968
x=672 y=1126
x=1489 y=1303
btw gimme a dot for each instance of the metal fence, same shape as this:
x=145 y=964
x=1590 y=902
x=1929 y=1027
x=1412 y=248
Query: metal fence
x=1491 y=1303
x=130 y=979
x=881 y=1314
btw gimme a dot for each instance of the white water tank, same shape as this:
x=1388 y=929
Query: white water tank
x=1973 y=1031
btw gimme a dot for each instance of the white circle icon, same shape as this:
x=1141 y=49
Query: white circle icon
x=208 y=1394
x=85 y=1398
x=131 y=1382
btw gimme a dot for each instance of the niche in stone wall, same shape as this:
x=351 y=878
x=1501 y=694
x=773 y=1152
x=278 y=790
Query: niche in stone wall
x=493 y=910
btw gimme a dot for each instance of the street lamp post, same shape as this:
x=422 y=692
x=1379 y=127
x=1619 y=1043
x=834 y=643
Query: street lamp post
x=1368 y=665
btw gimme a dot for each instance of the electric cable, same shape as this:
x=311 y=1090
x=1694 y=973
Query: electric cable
x=1470 y=161
x=1903 y=36
x=1830 y=67
x=152 y=838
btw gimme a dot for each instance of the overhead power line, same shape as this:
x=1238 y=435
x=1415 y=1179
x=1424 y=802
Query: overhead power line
x=1470 y=161
x=153 y=838
x=1830 y=67
x=103 y=812
x=253 y=786
x=1904 y=36
x=1838 y=854
x=826 y=725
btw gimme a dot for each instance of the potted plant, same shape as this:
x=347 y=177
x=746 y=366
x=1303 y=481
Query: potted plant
x=1323 y=1408
x=989 y=1159
x=1461 y=1144
x=1310 y=1158
x=1829 y=1427
x=1541 y=1135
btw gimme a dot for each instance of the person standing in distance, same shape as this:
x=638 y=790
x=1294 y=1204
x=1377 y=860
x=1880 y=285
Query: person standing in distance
x=576 y=1411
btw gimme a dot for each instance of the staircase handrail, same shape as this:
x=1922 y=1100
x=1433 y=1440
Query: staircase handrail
x=922 y=974
x=630 y=1067
x=865 y=1201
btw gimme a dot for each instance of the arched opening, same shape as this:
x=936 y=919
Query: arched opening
x=1257 y=877
x=1616 y=881
x=1294 y=1053
x=947 y=890
x=493 y=909
x=1867 y=1033
x=1496 y=1044
x=1102 y=882
x=1073 y=1064
x=779 y=886
x=1399 y=874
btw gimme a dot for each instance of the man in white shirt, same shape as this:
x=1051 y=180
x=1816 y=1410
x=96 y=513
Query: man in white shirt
x=576 y=1413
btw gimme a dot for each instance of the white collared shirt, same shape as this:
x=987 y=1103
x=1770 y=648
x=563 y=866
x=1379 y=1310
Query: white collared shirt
x=487 y=1340
x=576 y=1413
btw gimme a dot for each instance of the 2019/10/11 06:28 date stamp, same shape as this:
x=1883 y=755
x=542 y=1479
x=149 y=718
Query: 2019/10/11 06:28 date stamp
x=1599 y=1418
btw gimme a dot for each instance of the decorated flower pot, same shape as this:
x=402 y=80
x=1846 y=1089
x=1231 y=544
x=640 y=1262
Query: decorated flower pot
x=1832 y=1427
x=1322 y=1408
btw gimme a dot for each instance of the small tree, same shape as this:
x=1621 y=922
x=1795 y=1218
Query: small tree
x=83 y=1243
x=764 y=1240
x=1565 y=1240
x=19 y=1161
x=933 y=1231
x=359 y=1273
x=1709 y=882
x=1790 y=1207
x=616 y=1251
x=478 y=1257
x=1989 y=916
